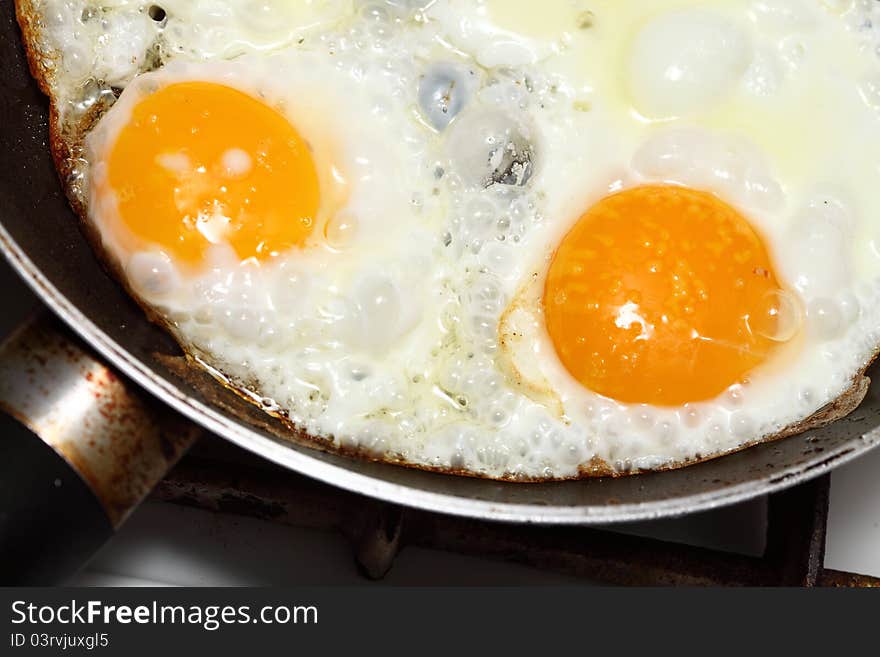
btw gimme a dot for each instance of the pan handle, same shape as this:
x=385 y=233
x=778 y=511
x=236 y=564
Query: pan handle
x=80 y=448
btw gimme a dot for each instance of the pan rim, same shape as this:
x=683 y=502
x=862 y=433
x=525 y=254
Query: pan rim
x=308 y=465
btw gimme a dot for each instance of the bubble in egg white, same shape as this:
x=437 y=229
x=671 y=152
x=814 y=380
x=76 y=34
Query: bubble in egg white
x=378 y=16
x=480 y=216
x=269 y=336
x=723 y=163
x=152 y=274
x=814 y=254
x=682 y=62
x=444 y=91
x=259 y=16
x=488 y=146
x=487 y=297
x=375 y=313
x=342 y=229
x=734 y=397
x=502 y=258
x=783 y=319
x=850 y=308
x=825 y=319
x=762 y=191
x=380 y=12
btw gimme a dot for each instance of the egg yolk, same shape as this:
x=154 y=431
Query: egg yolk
x=664 y=295
x=200 y=163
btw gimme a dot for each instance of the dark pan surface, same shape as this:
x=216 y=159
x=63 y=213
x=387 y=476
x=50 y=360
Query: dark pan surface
x=41 y=238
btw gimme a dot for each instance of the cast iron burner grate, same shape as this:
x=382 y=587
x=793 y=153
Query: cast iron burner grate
x=222 y=478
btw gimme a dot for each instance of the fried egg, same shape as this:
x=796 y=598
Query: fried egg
x=515 y=241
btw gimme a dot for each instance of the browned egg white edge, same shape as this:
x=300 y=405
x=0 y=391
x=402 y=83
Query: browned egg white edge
x=66 y=144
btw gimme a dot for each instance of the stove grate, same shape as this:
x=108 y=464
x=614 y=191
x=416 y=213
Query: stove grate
x=238 y=484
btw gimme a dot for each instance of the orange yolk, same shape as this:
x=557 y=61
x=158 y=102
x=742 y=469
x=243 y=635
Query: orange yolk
x=201 y=163
x=662 y=295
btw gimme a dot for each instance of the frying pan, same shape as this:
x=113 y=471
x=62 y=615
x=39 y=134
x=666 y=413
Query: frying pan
x=41 y=238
